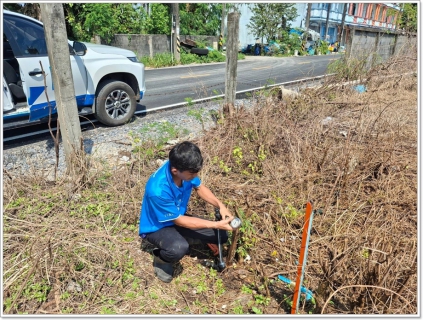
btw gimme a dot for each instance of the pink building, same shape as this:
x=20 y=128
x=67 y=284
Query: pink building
x=381 y=16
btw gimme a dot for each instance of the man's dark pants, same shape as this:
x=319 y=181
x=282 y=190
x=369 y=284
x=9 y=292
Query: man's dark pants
x=173 y=245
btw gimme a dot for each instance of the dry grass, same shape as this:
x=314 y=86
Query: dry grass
x=79 y=253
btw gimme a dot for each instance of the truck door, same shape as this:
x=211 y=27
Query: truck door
x=26 y=37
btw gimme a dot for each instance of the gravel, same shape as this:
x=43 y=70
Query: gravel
x=112 y=144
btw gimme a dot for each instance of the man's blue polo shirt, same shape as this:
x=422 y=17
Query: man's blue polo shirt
x=163 y=200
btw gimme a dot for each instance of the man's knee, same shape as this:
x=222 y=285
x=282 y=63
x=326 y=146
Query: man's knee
x=223 y=237
x=176 y=252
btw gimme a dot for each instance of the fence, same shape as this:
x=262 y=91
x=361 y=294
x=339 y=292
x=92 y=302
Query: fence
x=375 y=44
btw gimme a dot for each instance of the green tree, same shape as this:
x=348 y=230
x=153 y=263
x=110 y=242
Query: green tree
x=270 y=19
x=84 y=20
x=100 y=20
x=130 y=19
x=200 y=18
x=158 y=22
x=408 y=20
x=30 y=9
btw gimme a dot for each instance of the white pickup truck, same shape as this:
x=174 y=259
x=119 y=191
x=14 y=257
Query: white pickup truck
x=108 y=81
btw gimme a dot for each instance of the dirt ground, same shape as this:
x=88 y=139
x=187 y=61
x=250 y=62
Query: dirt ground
x=352 y=154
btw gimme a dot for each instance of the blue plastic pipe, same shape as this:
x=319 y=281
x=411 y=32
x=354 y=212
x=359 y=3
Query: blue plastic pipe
x=307 y=292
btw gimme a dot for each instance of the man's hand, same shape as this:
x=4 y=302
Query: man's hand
x=226 y=215
x=209 y=197
x=224 y=224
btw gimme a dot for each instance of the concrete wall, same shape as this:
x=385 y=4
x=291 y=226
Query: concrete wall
x=152 y=44
x=368 y=43
x=405 y=43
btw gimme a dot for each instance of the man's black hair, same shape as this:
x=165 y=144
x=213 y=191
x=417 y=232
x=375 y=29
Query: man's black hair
x=186 y=156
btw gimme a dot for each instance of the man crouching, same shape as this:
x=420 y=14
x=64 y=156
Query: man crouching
x=163 y=222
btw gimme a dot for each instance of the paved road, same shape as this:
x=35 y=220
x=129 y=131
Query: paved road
x=168 y=86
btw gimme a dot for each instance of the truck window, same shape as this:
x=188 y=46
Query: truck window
x=25 y=37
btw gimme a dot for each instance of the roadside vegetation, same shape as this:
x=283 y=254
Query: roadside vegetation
x=353 y=153
x=167 y=60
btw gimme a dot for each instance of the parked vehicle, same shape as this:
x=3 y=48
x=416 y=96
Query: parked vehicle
x=108 y=81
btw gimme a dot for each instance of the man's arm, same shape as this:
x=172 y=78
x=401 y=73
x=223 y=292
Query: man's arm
x=209 y=197
x=198 y=223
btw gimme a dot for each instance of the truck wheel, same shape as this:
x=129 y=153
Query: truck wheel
x=115 y=103
x=200 y=51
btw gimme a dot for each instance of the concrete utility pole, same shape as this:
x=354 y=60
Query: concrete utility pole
x=341 y=32
x=327 y=22
x=307 y=22
x=175 y=35
x=222 y=23
x=58 y=53
x=231 y=63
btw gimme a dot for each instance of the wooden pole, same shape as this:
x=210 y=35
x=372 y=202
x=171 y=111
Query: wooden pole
x=231 y=63
x=303 y=257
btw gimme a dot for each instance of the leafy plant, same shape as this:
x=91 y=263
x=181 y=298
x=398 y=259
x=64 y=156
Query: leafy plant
x=256 y=310
x=246 y=289
x=197 y=112
x=292 y=213
x=247 y=238
x=260 y=299
x=237 y=154
x=222 y=165
x=238 y=309
x=37 y=290
x=107 y=310
x=349 y=69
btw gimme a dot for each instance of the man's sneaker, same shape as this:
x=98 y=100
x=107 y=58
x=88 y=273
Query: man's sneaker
x=163 y=270
x=214 y=248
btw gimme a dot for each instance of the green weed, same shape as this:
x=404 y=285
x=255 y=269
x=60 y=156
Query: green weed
x=107 y=310
x=246 y=289
x=198 y=113
x=148 y=143
x=37 y=290
x=223 y=167
x=247 y=238
x=238 y=309
x=292 y=213
x=237 y=154
x=256 y=310
x=262 y=300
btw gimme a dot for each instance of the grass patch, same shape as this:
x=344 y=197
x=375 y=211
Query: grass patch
x=167 y=60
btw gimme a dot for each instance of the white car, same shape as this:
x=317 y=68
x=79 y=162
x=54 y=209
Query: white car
x=108 y=81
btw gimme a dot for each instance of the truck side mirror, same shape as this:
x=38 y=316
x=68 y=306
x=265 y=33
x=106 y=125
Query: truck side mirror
x=79 y=48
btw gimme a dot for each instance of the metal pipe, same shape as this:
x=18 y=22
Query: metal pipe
x=221 y=265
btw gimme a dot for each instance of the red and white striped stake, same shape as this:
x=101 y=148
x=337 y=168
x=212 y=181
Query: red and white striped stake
x=308 y=219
